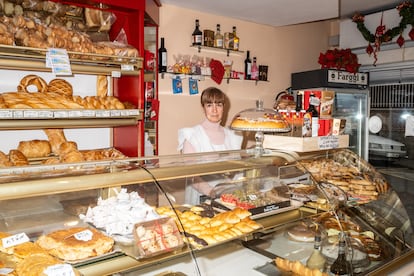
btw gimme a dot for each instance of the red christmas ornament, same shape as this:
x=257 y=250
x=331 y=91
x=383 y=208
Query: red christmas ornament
x=411 y=34
x=400 y=41
x=369 y=49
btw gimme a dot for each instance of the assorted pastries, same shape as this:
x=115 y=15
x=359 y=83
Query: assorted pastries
x=359 y=182
x=203 y=231
x=28 y=259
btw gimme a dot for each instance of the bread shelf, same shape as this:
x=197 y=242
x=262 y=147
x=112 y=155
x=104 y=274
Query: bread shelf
x=26 y=58
x=37 y=119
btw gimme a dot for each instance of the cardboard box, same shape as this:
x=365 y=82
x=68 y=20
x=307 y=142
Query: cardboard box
x=305 y=144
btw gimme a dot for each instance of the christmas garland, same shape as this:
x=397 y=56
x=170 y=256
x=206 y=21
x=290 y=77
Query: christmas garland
x=406 y=11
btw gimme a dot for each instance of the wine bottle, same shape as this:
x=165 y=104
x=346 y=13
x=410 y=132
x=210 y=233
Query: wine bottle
x=341 y=265
x=236 y=40
x=313 y=102
x=248 y=67
x=218 y=38
x=255 y=70
x=316 y=259
x=162 y=57
x=197 y=34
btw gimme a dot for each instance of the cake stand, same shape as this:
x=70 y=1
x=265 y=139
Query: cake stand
x=259 y=114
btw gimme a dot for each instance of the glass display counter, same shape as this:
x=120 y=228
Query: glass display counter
x=247 y=206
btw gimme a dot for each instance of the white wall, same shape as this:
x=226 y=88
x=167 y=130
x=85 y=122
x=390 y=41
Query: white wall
x=284 y=49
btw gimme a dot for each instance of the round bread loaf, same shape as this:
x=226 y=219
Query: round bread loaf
x=35 y=148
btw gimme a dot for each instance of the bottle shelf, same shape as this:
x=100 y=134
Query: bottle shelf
x=228 y=51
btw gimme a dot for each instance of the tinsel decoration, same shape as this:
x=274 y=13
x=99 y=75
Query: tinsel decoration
x=383 y=35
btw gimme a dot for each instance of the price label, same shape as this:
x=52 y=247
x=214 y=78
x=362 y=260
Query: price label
x=6 y=271
x=252 y=197
x=328 y=142
x=116 y=74
x=127 y=67
x=14 y=240
x=59 y=270
x=85 y=235
x=6 y=114
x=58 y=60
x=18 y=114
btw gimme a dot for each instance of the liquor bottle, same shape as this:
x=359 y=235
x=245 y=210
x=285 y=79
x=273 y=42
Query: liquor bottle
x=316 y=259
x=341 y=265
x=236 y=40
x=255 y=70
x=218 y=38
x=197 y=34
x=248 y=67
x=162 y=57
x=313 y=101
x=298 y=102
x=298 y=117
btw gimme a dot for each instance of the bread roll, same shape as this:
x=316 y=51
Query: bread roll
x=101 y=86
x=60 y=86
x=35 y=148
x=67 y=147
x=56 y=138
x=17 y=158
x=30 y=80
x=72 y=157
x=4 y=160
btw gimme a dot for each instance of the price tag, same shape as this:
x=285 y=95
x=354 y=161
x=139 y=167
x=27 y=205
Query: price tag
x=75 y=114
x=328 y=142
x=18 y=114
x=6 y=271
x=31 y=114
x=103 y=113
x=6 y=114
x=45 y=114
x=88 y=113
x=58 y=60
x=14 y=240
x=85 y=235
x=61 y=114
x=115 y=113
x=115 y=74
x=127 y=67
x=59 y=270
x=252 y=197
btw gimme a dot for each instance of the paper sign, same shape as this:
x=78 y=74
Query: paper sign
x=328 y=142
x=85 y=235
x=59 y=270
x=15 y=240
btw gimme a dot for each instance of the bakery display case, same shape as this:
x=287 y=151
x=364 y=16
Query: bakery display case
x=260 y=209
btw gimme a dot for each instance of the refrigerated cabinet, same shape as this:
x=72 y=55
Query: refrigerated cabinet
x=351 y=101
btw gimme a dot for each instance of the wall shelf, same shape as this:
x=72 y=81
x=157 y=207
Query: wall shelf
x=34 y=59
x=215 y=49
